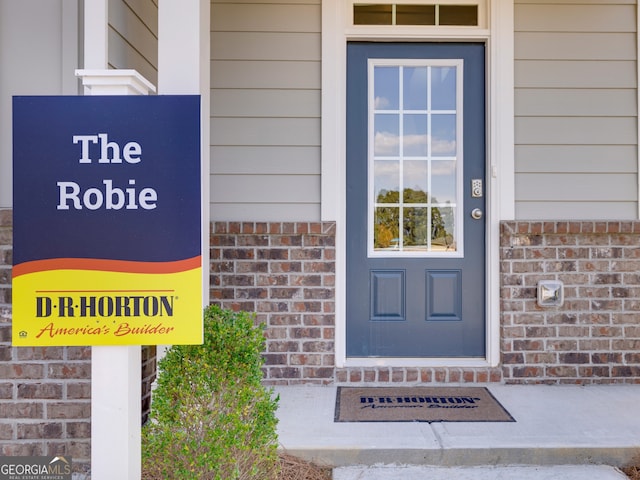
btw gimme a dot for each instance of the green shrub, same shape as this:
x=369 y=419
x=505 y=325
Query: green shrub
x=211 y=418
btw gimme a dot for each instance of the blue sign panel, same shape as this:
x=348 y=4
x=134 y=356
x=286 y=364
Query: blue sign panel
x=107 y=220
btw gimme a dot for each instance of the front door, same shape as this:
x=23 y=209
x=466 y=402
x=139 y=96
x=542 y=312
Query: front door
x=415 y=200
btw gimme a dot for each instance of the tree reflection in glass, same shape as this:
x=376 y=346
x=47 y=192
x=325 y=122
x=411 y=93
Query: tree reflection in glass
x=417 y=227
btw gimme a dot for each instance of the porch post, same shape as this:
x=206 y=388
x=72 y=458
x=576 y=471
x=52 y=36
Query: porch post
x=184 y=69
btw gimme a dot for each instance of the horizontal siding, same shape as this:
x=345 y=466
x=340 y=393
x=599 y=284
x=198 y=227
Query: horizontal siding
x=266 y=212
x=281 y=17
x=579 y=17
x=558 y=210
x=266 y=160
x=267 y=188
x=576 y=187
x=576 y=158
x=255 y=103
x=574 y=74
x=587 y=102
x=133 y=36
x=574 y=2
x=576 y=131
x=265 y=110
x=265 y=131
x=576 y=128
x=571 y=46
x=265 y=46
x=265 y=74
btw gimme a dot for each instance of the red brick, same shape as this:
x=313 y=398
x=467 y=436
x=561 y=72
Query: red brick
x=21 y=449
x=21 y=410
x=69 y=410
x=6 y=431
x=40 y=390
x=33 y=431
x=355 y=376
x=21 y=370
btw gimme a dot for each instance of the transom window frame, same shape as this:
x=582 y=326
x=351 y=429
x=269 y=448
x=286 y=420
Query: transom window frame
x=458 y=225
x=483 y=21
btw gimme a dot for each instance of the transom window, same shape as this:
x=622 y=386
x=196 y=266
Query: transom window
x=415 y=14
x=415 y=157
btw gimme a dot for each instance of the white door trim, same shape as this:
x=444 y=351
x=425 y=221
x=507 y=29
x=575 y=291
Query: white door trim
x=500 y=155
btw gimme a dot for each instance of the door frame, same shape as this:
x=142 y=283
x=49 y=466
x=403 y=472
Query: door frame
x=498 y=37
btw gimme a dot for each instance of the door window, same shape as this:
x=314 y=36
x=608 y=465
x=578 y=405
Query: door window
x=415 y=157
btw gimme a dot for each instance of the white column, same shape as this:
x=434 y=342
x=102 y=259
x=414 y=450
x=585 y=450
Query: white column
x=184 y=61
x=116 y=371
x=96 y=28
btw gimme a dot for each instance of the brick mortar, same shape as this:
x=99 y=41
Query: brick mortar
x=594 y=337
x=284 y=272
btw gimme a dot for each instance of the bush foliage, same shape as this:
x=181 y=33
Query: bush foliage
x=211 y=418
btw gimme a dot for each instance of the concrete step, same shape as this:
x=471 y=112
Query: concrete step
x=555 y=425
x=559 y=472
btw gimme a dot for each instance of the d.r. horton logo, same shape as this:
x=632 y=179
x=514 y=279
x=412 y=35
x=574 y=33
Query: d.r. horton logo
x=105 y=306
x=35 y=468
x=122 y=309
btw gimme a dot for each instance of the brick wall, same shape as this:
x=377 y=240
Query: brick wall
x=285 y=272
x=595 y=336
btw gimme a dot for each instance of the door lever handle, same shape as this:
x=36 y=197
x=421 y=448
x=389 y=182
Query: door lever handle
x=476 y=214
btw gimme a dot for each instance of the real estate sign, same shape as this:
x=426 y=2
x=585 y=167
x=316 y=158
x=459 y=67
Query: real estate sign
x=107 y=220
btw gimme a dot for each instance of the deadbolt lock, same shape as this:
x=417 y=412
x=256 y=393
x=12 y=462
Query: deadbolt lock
x=476 y=188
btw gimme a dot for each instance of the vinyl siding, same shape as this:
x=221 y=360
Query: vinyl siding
x=133 y=36
x=576 y=129
x=265 y=109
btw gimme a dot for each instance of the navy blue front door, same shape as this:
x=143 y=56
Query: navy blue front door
x=415 y=200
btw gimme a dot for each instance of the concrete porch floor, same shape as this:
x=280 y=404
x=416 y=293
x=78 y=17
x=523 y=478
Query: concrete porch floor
x=556 y=425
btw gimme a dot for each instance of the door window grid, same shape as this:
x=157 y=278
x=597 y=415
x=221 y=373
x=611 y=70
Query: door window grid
x=408 y=166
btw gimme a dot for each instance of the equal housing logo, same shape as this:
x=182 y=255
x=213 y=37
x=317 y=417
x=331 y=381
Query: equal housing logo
x=36 y=468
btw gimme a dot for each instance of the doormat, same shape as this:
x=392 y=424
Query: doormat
x=418 y=404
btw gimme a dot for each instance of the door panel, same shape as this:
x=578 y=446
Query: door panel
x=415 y=256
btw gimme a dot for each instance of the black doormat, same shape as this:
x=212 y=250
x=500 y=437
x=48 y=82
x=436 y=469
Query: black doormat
x=418 y=404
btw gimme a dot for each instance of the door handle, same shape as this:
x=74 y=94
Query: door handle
x=476 y=213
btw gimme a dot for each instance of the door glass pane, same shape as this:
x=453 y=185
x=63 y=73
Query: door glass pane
x=415 y=88
x=443 y=88
x=387 y=91
x=386 y=232
x=415 y=228
x=443 y=135
x=415 y=193
x=442 y=229
x=387 y=135
x=443 y=180
x=414 y=138
x=386 y=180
x=415 y=178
